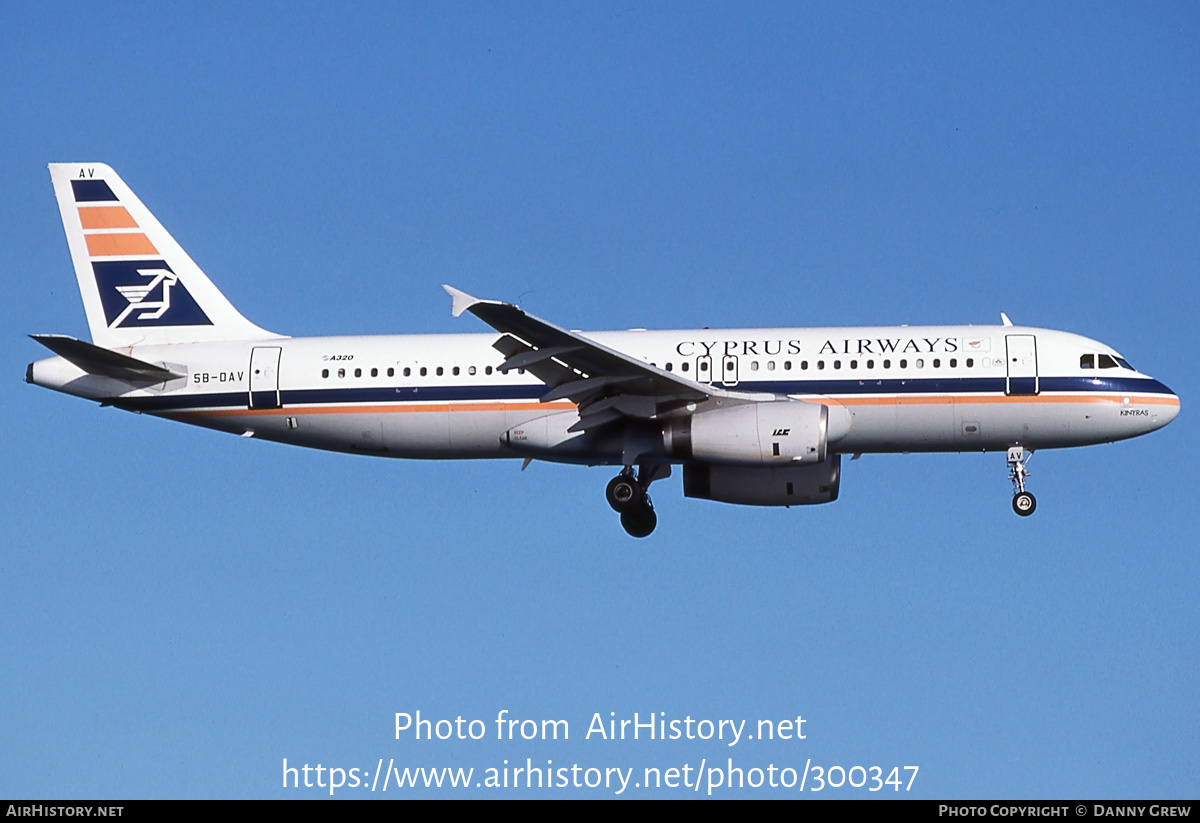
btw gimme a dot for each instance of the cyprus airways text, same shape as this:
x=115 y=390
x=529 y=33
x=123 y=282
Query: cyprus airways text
x=846 y=345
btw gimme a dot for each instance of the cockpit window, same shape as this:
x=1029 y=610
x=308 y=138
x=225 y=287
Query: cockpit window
x=1106 y=361
x=1087 y=361
x=1125 y=364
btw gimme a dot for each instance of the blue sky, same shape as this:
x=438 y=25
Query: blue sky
x=183 y=610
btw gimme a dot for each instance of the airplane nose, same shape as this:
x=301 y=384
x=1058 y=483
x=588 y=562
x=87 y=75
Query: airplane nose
x=1168 y=410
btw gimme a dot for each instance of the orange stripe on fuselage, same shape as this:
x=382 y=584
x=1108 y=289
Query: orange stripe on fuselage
x=111 y=245
x=106 y=217
x=408 y=408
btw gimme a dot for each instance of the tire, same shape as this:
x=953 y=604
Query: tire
x=624 y=494
x=639 y=522
x=1024 y=503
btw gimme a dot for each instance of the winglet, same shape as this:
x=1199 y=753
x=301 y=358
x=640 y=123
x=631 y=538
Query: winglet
x=1004 y=318
x=462 y=300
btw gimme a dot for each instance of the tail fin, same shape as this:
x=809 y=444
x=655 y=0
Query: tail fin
x=139 y=287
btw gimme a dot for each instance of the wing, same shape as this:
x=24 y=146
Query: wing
x=606 y=384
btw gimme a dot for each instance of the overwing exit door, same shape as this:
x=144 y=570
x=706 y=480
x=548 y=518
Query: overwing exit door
x=729 y=370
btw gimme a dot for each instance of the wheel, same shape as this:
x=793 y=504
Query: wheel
x=624 y=493
x=639 y=522
x=1024 y=503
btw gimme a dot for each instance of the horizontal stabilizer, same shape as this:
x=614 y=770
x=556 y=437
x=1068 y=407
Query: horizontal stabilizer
x=104 y=362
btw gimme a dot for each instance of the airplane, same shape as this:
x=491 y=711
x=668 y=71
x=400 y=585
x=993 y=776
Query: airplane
x=752 y=416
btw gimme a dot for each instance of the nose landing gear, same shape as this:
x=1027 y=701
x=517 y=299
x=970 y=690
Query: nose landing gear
x=627 y=495
x=1023 y=502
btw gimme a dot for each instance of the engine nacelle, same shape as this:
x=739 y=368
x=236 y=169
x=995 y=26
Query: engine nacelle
x=765 y=485
x=783 y=432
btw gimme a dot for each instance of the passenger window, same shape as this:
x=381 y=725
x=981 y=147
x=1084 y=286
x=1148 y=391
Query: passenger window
x=374 y=372
x=787 y=365
x=854 y=364
x=820 y=364
x=770 y=365
x=970 y=362
x=324 y=372
x=904 y=364
x=683 y=366
x=953 y=362
x=358 y=372
x=424 y=371
x=488 y=370
x=470 y=370
x=837 y=364
x=341 y=372
x=670 y=367
x=456 y=371
x=391 y=371
x=887 y=364
x=407 y=371
x=753 y=365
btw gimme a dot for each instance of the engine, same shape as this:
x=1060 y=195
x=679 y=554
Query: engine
x=786 y=434
x=765 y=485
x=783 y=432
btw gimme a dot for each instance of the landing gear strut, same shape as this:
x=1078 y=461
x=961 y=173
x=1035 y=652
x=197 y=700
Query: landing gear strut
x=1023 y=502
x=627 y=495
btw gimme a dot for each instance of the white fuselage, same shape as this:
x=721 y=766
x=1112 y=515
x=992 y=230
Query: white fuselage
x=900 y=389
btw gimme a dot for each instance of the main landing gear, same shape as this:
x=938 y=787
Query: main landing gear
x=1023 y=502
x=627 y=495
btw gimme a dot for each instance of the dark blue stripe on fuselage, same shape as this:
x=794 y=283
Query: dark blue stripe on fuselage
x=444 y=394
x=955 y=385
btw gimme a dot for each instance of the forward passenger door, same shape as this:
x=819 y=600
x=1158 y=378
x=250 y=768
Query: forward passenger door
x=1022 y=364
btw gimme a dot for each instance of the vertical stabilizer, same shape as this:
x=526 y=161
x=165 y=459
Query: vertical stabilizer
x=138 y=286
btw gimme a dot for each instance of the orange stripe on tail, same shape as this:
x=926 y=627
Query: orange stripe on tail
x=106 y=217
x=111 y=245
